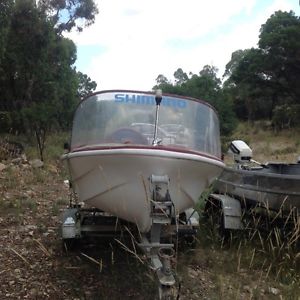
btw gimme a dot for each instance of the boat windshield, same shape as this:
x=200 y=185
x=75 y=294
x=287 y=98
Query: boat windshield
x=128 y=118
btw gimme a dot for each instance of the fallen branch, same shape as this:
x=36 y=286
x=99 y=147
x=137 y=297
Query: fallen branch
x=42 y=247
x=93 y=260
x=20 y=256
x=130 y=251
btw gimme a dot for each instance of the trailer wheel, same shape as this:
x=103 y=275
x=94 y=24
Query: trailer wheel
x=69 y=245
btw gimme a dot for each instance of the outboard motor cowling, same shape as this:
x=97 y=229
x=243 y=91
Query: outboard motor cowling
x=242 y=153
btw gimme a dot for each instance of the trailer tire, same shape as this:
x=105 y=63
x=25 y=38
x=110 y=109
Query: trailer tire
x=69 y=245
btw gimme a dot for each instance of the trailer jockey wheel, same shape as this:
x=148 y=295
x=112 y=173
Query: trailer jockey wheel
x=127 y=136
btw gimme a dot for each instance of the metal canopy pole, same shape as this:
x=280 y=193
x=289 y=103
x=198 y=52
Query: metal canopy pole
x=158 y=98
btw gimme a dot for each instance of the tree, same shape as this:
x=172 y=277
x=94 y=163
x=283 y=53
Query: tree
x=260 y=79
x=205 y=86
x=280 y=40
x=164 y=84
x=210 y=72
x=236 y=58
x=161 y=79
x=85 y=85
x=180 y=76
x=250 y=83
x=286 y=116
x=5 y=16
x=38 y=73
x=67 y=14
x=38 y=82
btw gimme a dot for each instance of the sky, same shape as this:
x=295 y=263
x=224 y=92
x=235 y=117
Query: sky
x=133 y=41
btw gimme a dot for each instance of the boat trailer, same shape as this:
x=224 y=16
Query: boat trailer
x=159 y=244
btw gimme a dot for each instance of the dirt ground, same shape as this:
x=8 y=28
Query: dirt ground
x=33 y=264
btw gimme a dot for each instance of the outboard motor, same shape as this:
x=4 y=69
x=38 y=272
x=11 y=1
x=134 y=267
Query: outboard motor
x=242 y=153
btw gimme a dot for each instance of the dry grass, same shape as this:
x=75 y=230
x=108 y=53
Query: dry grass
x=263 y=261
x=268 y=145
x=260 y=262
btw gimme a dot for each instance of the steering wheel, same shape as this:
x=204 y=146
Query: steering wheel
x=127 y=136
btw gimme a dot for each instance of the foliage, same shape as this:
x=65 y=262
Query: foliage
x=67 y=14
x=180 y=76
x=205 y=86
x=5 y=11
x=85 y=85
x=286 y=116
x=264 y=80
x=260 y=83
x=280 y=41
x=39 y=85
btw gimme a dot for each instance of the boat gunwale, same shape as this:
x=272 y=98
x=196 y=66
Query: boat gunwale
x=258 y=173
x=259 y=189
x=160 y=151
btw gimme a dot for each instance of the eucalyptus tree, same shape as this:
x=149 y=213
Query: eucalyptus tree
x=180 y=76
x=263 y=79
x=207 y=86
x=248 y=82
x=68 y=14
x=280 y=41
x=39 y=84
x=5 y=12
x=86 y=85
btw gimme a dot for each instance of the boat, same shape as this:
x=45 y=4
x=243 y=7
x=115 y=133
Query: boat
x=273 y=185
x=111 y=159
x=123 y=161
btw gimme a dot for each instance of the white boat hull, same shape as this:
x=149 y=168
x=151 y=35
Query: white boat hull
x=117 y=180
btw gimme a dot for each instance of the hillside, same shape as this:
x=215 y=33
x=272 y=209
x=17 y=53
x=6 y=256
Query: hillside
x=268 y=145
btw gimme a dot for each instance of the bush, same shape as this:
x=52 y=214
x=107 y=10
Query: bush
x=286 y=116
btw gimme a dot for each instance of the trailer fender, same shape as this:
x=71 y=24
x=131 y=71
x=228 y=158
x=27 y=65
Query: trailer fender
x=231 y=210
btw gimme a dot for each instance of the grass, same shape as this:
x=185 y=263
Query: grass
x=16 y=207
x=18 y=185
x=53 y=145
x=268 y=145
x=257 y=261
x=270 y=249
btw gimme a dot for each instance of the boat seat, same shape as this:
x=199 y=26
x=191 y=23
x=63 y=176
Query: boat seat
x=127 y=136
